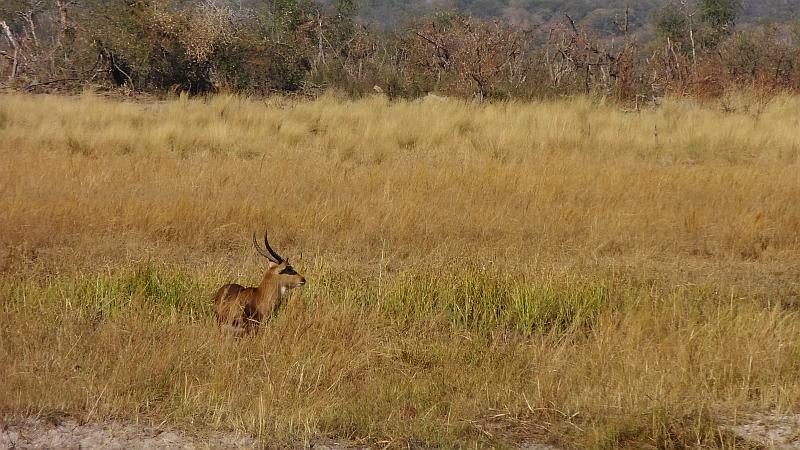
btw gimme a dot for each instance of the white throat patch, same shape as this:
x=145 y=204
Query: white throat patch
x=284 y=290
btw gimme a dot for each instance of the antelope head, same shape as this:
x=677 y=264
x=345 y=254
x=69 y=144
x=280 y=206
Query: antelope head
x=279 y=272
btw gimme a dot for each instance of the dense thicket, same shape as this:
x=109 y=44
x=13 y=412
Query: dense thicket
x=485 y=49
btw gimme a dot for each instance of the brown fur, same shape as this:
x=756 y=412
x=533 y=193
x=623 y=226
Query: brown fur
x=242 y=309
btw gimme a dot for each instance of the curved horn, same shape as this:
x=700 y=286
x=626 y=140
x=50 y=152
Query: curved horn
x=270 y=250
x=262 y=252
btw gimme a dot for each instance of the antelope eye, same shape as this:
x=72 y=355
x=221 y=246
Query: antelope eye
x=288 y=271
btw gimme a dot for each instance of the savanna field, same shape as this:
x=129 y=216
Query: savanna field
x=565 y=272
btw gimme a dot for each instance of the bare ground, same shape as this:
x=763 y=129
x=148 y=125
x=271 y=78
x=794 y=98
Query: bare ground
x=69 y=434
x=772 y=431
x=52 y=433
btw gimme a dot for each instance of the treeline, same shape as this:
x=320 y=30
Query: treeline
x=596 y=14
x=306 y=47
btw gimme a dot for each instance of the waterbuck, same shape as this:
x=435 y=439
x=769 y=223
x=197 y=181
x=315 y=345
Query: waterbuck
x=240 y=309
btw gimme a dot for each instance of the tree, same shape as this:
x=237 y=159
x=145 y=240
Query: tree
x=718 y=16
x=670 y=22
x=473 y=53
x=158 y=44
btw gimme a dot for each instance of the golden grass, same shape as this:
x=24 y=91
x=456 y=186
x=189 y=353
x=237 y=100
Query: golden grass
x=479 y=275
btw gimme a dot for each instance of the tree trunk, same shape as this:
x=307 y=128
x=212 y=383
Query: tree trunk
x=65 y=36
x=321 y=49
x=690 y=21
x=32 y=28
x=63 y=16
x=13 y=42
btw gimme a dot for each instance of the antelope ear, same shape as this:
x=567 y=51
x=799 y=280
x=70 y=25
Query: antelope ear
x=271 y=265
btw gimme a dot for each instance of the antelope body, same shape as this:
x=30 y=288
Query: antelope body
x=241 y=309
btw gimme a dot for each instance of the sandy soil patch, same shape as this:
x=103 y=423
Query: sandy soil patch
x=68 y=434
x=774 y=431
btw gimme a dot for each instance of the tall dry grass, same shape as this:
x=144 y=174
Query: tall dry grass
x=482 y=275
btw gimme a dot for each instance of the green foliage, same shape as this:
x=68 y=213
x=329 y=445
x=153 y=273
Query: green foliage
x=143 y=46
x=101 y=296
x=670 y=22
x=260 y=67
x=11 y=9
x=720 y=14
x=284 y=16
x=484 y=302
x=342 y=26
x=473 y=301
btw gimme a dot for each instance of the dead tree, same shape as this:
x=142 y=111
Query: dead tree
x=476 y=54
x=14 y=46
x=593 y=61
